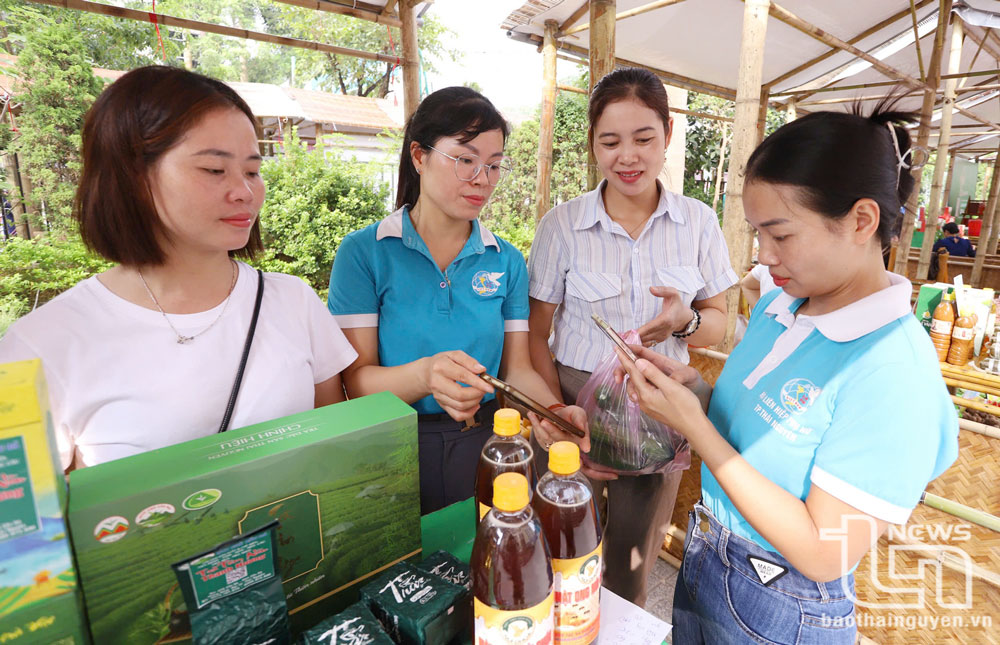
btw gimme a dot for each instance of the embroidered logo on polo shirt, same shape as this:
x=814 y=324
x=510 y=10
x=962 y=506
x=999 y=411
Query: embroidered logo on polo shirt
x=798 y=394
x=767 y=572
x=485 y=283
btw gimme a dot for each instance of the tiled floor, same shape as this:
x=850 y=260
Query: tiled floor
x=660 y=599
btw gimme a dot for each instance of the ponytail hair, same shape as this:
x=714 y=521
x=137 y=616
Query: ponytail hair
x=450 y=112
x=836 y=158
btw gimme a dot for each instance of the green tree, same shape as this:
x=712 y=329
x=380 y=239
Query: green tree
x=58 y=88
x=312 y=204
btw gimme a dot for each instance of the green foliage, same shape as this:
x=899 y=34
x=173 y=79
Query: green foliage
x=43 y=268
x=59 y=88
x=511 y=211
x=312 y=204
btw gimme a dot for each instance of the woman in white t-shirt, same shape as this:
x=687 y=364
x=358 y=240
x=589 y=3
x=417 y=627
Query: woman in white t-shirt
x=145 y=354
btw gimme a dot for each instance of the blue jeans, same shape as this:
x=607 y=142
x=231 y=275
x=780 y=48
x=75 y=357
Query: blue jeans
x=720 y=599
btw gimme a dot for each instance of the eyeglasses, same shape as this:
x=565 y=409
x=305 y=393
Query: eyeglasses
x=467 y=167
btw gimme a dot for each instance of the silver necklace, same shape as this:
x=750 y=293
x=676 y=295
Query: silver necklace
x=181 y=338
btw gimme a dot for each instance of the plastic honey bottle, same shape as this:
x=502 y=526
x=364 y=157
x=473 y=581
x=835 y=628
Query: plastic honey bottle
x=564 y=502
x=942 y=324
x=506 y=451
x=511 y=570
x=960 y=352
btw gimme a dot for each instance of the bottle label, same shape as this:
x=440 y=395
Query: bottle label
x=577 y=584
x=483 y=510
x=531 y=626
x=940 y=327
x=963 y=333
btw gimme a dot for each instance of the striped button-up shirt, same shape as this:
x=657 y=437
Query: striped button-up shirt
x=587 y=263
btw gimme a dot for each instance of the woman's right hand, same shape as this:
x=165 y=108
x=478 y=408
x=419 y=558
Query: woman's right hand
x=443 y=376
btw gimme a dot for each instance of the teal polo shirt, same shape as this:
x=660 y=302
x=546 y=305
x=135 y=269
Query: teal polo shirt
x=384 y=276
x=851 y=401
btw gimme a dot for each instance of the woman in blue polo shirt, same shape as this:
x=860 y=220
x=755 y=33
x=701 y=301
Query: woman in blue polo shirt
x=430 y=298
x=829 y=418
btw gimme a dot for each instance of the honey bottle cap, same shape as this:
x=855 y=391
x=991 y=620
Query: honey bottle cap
x=507 y=422
x=510 y=492
x=564 y=458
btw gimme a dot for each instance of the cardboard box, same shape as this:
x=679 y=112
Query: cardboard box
x=39 y=596
x=928 y=299
x=342 y=480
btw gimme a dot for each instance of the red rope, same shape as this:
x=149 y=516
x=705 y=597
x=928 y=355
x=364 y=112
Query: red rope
x=393 y=45
x=156 y=24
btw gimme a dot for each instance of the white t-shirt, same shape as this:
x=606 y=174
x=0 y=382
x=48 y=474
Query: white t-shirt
x=121 y=384
x=763 y=274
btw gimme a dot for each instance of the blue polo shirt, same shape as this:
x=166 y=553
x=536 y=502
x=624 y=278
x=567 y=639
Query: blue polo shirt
x=384 y=276
x=851 y=401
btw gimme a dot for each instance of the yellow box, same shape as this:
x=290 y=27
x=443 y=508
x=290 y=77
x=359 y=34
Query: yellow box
x=39 y=596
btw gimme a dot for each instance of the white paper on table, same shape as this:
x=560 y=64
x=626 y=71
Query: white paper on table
x=623 y=622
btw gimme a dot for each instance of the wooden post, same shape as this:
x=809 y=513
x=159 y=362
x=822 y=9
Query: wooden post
x=736 y=230
x=989 y=223
x=411 y=58
x=944 y=136
x=546 y=125
x=722 y=166
x=602 y=61
x=923 y=135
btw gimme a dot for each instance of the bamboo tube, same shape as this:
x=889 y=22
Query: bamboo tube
x=702 y=115
x=625 y=14
x=389 y=6
x=934 y=203
x=734 y=227
x=988 y=222
x=916 y=41
x=362 y=14
x=197 y=25
x=602 y=61
x=722 y=166
x=972 y=382
x=961 y=511
x=711 y=353
x=975 y=405
x=570 y=88
x=411 y=56
x=979 y=428
x=923 y=136
x=576 y=15
x=949 y=175
x=989 y=380
x=862 y=86
x=951 y=561
x=546 y=124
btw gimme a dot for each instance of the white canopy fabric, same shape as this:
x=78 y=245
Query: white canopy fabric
x=700 y=40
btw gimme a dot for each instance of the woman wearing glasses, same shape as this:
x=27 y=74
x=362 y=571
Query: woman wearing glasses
x=430 y=298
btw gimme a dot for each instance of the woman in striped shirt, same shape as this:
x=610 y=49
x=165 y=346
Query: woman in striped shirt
x=641 y=258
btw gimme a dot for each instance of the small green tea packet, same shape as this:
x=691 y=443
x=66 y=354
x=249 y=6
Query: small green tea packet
x=356 y=625
x=444 y=565
x=233 y=592
x=417 y=608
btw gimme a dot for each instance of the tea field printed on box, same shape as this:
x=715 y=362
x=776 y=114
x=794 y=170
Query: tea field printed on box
x=129 y=593
x=35 y=567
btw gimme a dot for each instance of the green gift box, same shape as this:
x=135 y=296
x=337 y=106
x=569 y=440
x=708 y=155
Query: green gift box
x=342 y=480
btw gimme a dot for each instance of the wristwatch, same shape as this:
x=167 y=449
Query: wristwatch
x=692 y=326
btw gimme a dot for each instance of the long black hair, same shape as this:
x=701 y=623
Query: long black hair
x=449 y=112
x=836 y=158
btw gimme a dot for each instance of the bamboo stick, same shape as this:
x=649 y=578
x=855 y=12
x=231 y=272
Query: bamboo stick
x=734 y=227
x=711 y=353
x=602 y=61
x=331 y=7
x=411 y=56
x=979 y=428
x=702 y=115
x=975 y=405
x=946 y=197
x=197 y=25
x=623 y=15
x=570 y=88
x=934 y=203
x=971 y=380
x=765 y=93
x=576 y=15
x=988 y=222
x=722 y=166
x=916 y=41
x=961 y=511
x=388 y=8
x=861 y=86
x=951 y=561
x=546 y=123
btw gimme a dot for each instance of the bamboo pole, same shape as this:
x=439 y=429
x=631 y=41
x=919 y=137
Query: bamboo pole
x=625 y=14
x=570 y=88
x=602 y=61
x=576 y=15
x=946 y=197
x=916 y=41
x=989 y=222
x=546 y=124
x=934 y=204
x=991 y=244
x=765 y=93
x=853 y=41
x=861 y=86
x=980 y=39
x=330 y=7
x=979 y=428
x=748 y=92
x=702 y=115
x=722 y=166
x=961 y=511
x=388 y=8
x=197 y=25
x=17 y=199
x=411 y=57
x=923 y=136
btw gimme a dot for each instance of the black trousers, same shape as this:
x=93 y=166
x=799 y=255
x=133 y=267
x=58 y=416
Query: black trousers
x=449 y=456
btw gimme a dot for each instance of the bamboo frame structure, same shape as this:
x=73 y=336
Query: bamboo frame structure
x=623 y=15
x=988 y=222
x=546 y=124
x=602 y=61
x=735 y=228
x=411 y=58
x=330 y=7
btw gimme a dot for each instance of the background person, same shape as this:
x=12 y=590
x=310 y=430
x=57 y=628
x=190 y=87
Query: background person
x=807 y=458
x=954 y=243
x=641 y=258
x=430 y=298
x=145 y=354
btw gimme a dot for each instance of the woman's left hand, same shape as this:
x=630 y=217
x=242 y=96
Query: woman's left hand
x=674 y=316
x=547 y=433
x=663 y=398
